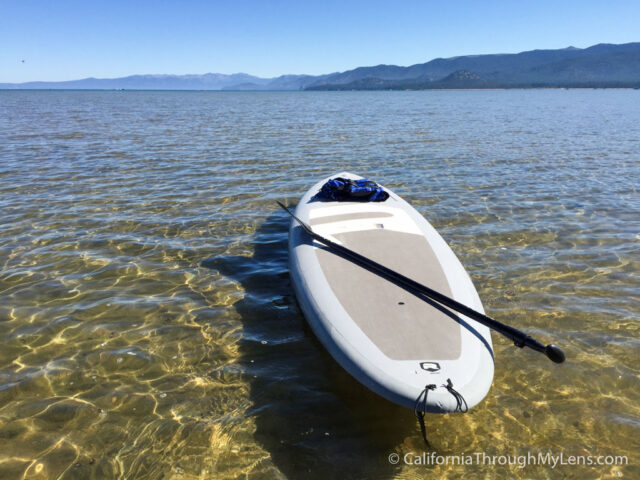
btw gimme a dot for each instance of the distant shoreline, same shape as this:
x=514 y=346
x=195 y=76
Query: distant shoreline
x=601 y=66
x=449 y=89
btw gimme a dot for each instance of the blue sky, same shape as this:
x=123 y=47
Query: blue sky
x=64 y=40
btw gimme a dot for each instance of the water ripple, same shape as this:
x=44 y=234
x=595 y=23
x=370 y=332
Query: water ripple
x=149 y=328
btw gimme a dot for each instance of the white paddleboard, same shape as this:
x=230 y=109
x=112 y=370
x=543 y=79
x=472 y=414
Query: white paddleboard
x=387 y=338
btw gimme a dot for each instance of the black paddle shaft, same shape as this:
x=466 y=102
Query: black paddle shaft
x=520 y=339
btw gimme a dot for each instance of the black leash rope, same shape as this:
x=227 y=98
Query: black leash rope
x=420 y=409
x=460 y=401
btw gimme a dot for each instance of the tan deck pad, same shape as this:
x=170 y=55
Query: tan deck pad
x=349 y=216
x=411 y=330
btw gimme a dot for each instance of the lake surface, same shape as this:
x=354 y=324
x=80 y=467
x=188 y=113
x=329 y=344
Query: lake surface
x=148 y=324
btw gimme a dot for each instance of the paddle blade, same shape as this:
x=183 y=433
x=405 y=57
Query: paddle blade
x=306 y=227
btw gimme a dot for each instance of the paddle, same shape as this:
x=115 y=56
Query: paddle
x=520 y=339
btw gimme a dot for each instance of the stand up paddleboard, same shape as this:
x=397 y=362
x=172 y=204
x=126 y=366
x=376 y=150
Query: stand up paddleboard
x=393 y=341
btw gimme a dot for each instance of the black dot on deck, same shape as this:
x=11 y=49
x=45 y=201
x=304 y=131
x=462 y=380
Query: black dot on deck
x=400 y=303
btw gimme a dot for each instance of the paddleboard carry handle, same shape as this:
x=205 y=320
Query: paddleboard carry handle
x=519 y=338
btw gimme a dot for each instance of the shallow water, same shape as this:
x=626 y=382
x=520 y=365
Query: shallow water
x=149 y=328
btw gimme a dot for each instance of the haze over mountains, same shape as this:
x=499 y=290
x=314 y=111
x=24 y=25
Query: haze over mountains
x=602 y=66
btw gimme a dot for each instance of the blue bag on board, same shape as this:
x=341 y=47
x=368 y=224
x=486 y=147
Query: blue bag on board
x=347 y=190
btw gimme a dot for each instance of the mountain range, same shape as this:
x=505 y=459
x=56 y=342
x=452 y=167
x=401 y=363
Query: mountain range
x=599 y=66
